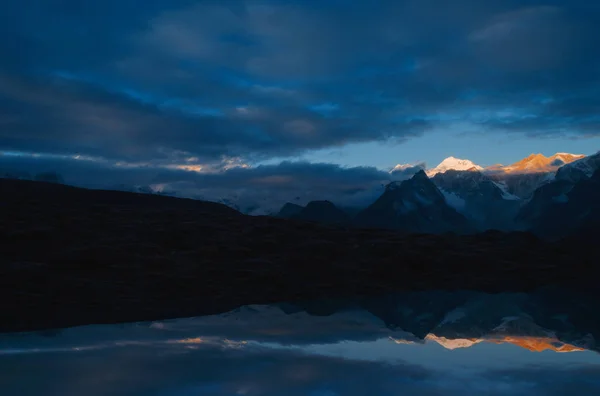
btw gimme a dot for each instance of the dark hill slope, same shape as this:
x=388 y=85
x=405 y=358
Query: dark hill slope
x=71 y=256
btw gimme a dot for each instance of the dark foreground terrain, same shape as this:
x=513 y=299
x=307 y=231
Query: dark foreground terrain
x=71 y=256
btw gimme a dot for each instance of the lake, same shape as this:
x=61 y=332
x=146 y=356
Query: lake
x=428 y=343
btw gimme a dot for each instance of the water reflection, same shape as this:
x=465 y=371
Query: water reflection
x=414 y=343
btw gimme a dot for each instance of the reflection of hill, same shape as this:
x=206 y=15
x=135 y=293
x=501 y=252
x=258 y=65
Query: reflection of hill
x=536 y=321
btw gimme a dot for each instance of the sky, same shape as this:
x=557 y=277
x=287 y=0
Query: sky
x=282 y=89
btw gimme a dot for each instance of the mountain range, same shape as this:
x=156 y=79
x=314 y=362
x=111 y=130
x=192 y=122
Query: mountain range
x=135 y=257
x=414 y=205
x=552 y=196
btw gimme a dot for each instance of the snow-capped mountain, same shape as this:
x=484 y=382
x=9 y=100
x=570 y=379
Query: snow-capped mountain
x=485 y=202
x=525 y=176
x=538 y=163
x=414 y=205
x=452 y=163
x=564 y=207
x=579 y=170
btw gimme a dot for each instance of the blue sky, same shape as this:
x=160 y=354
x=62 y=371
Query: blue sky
x=204 y=84
x=432 y=148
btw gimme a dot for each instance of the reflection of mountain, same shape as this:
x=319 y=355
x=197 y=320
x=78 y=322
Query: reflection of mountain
x=537 y=344
x=534 y=344
x=261 y=350
x=551 y=320
x=456 y=343
x=545 y=320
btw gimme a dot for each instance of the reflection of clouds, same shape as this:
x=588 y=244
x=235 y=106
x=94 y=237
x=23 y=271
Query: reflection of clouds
x=260 y=350
x=186 y=342
x=143 y=371
x=267 y=371
x=552 y=381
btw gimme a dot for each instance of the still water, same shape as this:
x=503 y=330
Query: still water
x=407 y=344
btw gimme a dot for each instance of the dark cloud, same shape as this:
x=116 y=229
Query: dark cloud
x=246 y=78
x=257 y=190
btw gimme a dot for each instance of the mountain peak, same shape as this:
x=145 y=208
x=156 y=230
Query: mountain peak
x=536 y=155
x=453 y=163
x=420 y=175
x=539 y=163
x=320 y=204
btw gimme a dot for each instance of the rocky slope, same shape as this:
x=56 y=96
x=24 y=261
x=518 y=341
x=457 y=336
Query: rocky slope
x=568 y=202
x=414 y=205
x=564 y=208
x=479 y=198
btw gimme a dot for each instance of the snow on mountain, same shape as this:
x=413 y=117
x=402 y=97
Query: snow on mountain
x=523 y=177
x=537 y=163
x=505 y=193
x=452 y=163
x=454 y=200
x=414 y=205
x=583 y=168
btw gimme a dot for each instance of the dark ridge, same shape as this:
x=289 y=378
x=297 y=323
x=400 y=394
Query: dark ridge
x=415 y=205
x=323 y=212
x=289 y=210
x=70 y=256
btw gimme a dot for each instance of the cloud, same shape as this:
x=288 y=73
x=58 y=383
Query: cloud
x=257 y=190
x=406 y=171
x=174 y=80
